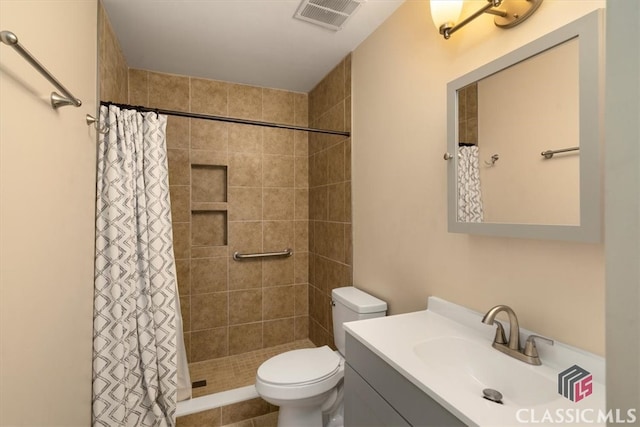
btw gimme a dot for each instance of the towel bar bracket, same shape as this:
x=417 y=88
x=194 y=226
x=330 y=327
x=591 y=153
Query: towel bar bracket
x=58 y=100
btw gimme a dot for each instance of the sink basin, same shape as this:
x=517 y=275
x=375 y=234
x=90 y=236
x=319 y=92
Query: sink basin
x=475 y=366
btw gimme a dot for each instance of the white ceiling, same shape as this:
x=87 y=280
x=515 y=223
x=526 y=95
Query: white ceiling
x=254 y=42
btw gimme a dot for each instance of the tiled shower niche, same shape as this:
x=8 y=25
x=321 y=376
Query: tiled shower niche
x=208 y=183
x=209 y=228
x=208 y=205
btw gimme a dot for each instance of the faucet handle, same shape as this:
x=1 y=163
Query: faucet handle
x=530 y=348
x=500 y=338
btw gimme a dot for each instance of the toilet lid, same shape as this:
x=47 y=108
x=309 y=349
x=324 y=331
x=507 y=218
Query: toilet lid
x=307 y=365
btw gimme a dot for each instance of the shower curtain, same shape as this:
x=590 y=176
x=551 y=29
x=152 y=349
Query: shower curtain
x=136 y=307
x=469 y=194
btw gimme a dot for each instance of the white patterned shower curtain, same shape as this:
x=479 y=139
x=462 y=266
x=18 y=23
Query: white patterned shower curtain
x=136 y=308
x=469 y=194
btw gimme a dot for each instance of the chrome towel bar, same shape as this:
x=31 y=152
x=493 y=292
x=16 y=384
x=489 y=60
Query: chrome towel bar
x=549 y=153
x=57 y=100
x=237 y=256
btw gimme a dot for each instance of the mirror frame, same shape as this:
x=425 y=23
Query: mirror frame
x=590 y=31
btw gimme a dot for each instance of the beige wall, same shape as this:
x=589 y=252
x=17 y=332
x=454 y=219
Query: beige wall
x=47 y=198
x=402 y=251
x=329 y=198
x=235 y=188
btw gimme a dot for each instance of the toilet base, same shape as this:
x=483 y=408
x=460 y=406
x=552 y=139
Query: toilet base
x=299 y=417
x=305 y=416
x=334 y=419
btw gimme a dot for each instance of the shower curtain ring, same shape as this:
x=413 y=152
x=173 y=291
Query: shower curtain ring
x=100 y=127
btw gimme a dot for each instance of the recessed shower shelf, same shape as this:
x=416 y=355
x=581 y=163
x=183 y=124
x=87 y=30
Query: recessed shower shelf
x=208 y=184
x=208 y=206
x=209 y=228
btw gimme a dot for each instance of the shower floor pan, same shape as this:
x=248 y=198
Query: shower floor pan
x=229 y=379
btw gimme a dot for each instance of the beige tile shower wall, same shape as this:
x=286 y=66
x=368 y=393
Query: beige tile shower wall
x=329 y=198
x=468 y=114
x=112 y=65
x=235 y=188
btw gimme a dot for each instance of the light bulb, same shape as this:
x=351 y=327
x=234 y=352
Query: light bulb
x=445 y=12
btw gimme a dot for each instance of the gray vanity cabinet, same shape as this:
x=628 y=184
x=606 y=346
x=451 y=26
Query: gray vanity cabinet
x=378 y=395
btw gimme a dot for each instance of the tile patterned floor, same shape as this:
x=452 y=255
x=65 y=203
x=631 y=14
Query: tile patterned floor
x=230 y=372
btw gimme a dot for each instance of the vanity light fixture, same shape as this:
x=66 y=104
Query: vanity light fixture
x=445 y=13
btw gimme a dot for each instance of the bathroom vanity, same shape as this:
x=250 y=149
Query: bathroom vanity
x=430 y=368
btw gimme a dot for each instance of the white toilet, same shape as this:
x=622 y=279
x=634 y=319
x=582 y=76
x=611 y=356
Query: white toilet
x=307 y=384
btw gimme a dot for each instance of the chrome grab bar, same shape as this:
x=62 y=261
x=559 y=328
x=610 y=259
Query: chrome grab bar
x=57 y=100
x=237 y=256
x=549 y=153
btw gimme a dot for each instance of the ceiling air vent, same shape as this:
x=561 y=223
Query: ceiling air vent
x=330 y=14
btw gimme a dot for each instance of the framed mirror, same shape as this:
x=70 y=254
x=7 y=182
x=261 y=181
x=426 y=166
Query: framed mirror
x=525 y=136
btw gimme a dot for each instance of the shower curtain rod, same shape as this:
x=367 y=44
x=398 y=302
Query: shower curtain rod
x=224 y=119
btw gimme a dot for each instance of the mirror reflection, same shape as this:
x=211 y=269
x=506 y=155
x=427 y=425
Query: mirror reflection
x=505 y=121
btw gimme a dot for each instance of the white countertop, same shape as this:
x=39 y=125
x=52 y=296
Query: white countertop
x=395 y=338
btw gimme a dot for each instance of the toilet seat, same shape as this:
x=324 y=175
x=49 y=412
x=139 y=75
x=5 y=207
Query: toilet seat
x=299 y=374
x=300 y=367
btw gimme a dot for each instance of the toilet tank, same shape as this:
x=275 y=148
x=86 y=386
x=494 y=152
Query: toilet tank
x=350 y=304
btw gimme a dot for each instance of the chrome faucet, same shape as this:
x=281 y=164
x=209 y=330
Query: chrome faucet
x=529 y=354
